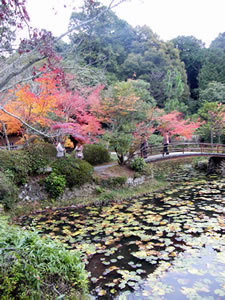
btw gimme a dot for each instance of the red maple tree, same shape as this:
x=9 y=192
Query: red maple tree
x=176 y=125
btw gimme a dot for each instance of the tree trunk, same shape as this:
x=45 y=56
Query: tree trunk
x=211 y=135
x=6 y=136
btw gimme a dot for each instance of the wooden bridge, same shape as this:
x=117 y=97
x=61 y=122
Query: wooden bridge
x=179 y=150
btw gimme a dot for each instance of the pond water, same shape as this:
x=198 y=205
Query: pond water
x=163 y=245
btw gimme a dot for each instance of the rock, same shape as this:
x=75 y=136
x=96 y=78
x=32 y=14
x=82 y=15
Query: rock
x=216 y=165
x=45 y=170
x=135 y=181
x=202 y=165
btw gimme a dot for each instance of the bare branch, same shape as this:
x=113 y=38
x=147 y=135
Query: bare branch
x=21 y=70
x=20 y=81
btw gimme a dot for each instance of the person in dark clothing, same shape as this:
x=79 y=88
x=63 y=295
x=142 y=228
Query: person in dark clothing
x=166 y=141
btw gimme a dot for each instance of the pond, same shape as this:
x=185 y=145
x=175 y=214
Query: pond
x=163 y=245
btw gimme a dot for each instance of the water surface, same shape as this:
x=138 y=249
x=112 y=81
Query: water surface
x=163 y=245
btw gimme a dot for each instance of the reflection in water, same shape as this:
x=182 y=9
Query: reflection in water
x=165 y=245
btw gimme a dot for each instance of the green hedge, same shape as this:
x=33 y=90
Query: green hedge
x=36 y=268
x=76 y=171
x=8 y=190
x=40 y=155
x=96 y=154
x=17 y=163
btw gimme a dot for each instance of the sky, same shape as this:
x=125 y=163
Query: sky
x=203 y=19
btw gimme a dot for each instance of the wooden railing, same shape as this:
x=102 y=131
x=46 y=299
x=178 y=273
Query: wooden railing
x=184 y=148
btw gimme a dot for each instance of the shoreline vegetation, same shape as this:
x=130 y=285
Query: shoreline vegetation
x=155 y=181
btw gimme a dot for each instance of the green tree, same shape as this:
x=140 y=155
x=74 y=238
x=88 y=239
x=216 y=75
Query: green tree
x=127 y=117
x=213 y=68
x=174 y=89
x=213 y=113
x=215 y=92
x=151 y=59
x=105 y=42
x=191 y=53
x=219 y=42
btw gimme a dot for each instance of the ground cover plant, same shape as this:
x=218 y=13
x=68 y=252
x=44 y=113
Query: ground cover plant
x=132 y=247
x=35 y=268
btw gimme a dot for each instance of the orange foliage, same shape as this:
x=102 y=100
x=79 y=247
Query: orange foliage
x=12 y=125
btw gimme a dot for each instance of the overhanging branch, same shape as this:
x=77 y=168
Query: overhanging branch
x=27 y=125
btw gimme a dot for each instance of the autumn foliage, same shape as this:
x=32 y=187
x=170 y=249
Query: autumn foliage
x=46 y=103
x=177 y=126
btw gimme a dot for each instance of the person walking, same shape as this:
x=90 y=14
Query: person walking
x=60 y=150
x=166 y=141
x=79 y=151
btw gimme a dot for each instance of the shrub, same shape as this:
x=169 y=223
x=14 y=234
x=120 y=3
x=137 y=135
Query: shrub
x=55 y=184
x=40 y=155
x=37 y=268
x=76 y=171
x=96 y=154
x=138 y=164
x=8 y=191
x=17 y=163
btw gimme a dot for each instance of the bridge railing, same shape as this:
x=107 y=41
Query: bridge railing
x=184 y=147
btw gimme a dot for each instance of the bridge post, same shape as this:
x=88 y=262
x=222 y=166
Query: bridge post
x=201 y=147
x=151 y=149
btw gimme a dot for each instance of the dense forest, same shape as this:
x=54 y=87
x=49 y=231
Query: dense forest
x=75 y=84
x=180 y=74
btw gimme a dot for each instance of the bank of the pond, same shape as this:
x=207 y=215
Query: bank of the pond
x=155 y=178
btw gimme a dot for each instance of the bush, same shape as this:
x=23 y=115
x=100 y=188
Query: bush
x=76 y=171
x=40 y=155
x=96 y=154
x=8 y=191
x=37 y=268
x=16 y=162
x=55 y=185
x=138 y=164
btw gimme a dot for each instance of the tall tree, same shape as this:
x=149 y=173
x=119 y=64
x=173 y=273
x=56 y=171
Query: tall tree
x=213 y=115
x=105 y=42
x=150 y=59
x=174 y=89
x=127 y=117
x=38 y=48
x=215 y=92
x=191 y=54
x=213 y=67
x=219 y=42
